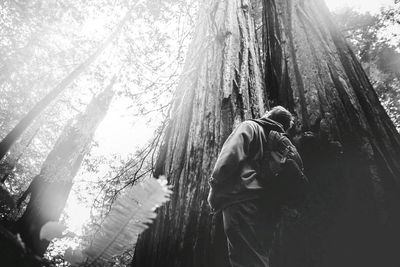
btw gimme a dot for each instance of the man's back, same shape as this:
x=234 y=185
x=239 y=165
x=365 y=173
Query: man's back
x=249 y=218
x=237 y=172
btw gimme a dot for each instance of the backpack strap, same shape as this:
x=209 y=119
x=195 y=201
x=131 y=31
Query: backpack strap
x=280 y=143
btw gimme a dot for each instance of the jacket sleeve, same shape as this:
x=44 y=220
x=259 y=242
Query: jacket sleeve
x=235 y=149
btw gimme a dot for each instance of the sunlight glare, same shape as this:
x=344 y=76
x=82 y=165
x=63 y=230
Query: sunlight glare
x=116 y=135
x=78 y=215
x=372 y=6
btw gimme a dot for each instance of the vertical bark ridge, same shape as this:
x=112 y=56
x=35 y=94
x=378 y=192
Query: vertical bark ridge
x=319 y=72
x=296 y=68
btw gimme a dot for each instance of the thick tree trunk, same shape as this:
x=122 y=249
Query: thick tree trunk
x=220 y=88
x=353 y=160
x=24 y=123
x=50 y=189
x=353 y=215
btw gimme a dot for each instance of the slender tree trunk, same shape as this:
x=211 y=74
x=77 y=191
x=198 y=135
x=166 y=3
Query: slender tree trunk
x=50 y=189
x=10 y=165
x=220 y=88
x=24 y=123
x=353 y=215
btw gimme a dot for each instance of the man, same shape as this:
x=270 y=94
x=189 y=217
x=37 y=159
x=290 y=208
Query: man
x=236 y=188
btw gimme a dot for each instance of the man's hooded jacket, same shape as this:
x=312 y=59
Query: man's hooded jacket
x=236 y=173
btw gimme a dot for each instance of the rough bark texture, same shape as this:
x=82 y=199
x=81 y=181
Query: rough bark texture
x=352 y=217
x=50 y=189
x=353 y=160
x=220 y=88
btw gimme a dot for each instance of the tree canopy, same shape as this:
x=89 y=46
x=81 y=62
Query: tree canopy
x=375 y=40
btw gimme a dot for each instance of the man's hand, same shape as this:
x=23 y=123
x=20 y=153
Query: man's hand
x=211 y=199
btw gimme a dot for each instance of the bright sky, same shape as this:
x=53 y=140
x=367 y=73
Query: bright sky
x=119 y=133
x=116 y=135
x=371 y=6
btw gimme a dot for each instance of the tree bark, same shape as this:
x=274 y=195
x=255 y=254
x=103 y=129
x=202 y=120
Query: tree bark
x=50 y=189
x=352 y=157
x=352 y=217
x=221 y=87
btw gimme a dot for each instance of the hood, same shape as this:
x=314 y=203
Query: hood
x=270 y=124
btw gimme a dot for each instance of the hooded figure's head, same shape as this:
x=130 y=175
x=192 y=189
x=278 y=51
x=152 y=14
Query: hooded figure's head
x=281 y=115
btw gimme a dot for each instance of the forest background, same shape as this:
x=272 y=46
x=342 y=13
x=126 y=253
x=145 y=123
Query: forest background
x=43 y=42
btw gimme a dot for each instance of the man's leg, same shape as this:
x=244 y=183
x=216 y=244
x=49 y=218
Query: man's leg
x=249 y=227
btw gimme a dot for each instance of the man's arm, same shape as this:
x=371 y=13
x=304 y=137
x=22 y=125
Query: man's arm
x=235 y=149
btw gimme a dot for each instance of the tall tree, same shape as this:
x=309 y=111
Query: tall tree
x=24 y=123
x=311 y=69
x=221 y=87
x=352 y=158
x=50 y=189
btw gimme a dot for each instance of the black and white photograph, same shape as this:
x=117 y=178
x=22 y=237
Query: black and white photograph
x=200 y=133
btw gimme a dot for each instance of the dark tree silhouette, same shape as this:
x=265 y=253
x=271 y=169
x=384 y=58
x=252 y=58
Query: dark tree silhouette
x=352 y=218
x=50 y=189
